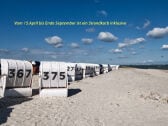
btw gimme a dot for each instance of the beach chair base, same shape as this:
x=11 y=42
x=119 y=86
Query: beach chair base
x=18 y=92
x=60 y=92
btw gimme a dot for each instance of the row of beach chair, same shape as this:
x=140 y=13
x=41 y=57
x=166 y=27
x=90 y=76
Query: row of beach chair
x=16 y=76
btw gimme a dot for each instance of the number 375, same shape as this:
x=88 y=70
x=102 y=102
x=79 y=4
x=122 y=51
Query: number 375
x=46 y=75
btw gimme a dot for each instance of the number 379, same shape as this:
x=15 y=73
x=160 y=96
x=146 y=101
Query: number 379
x=46 y=75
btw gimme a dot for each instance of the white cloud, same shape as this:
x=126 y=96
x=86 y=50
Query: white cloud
x=74 y=45
x=41 y=52
x=59 y=45
x=54 y=56
x=128 y=42
x=90 y=30
x=158 y=32
x=116 y=50
x=122 y=45
x=164 y=47
x=148 y=61
x=4 y=51
x=87 y=40
x=133 y=53
x=122 y=57
x=107 y=37
x=54 y=40
x=85 y=54
x=137 y=27
x=141 y=47
x=25 y=49
x=146 y=24
x=102 y=13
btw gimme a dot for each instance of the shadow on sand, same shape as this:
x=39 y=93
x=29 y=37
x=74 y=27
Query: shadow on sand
x=35 y=92
x=72 y=92
x=6 y=109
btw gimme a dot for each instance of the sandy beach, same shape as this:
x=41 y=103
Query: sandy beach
x=124 y=97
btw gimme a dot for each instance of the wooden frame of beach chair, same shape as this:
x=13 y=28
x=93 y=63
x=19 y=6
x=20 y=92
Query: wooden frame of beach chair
x=16 y=78
x=53 y=79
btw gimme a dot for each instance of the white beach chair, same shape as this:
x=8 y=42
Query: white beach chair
x=16 y=78
x=80 y=71
x=92 y=70
x=53 y=80
x=105 y=67
x=71 y=71
x=3 y=75
x=97 y=69
x=88 y=70
x=114 y=67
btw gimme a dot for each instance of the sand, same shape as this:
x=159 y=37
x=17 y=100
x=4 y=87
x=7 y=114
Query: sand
x=125 y=97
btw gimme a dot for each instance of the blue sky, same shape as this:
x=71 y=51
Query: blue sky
x=143 y=40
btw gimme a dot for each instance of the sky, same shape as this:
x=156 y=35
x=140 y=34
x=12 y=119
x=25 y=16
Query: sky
x=91 y=31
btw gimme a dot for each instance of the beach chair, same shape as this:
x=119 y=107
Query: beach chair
x=114 y=67
x=109 y=68
x=97 y=69
x=80 y=71
x=71 y=71
x=3 y=75
x=90 y=70
x=117 y=67
x=16 y=78
x=53 y=80
x=101 y=69
x=105 y=67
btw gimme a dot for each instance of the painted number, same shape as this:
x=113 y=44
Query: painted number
x=28 y=73
x=70 y=68
x=11 y=73
x=62 y=75
x=54 y=75
x=19 y=73
x=46 y=75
